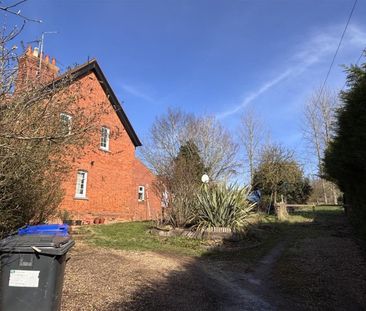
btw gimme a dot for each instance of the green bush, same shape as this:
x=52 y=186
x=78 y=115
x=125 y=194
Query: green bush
x=221 y=206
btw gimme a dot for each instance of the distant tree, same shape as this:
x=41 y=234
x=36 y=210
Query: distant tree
x=319 y=117
x=319 y=185
x=345 y=157
x=251 y=133
x=299 y=191
x=279 y=175
x=276 y=168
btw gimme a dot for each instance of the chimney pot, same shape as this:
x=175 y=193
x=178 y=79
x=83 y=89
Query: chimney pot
x=53 y=61
x=35 y=52
x=47 y=59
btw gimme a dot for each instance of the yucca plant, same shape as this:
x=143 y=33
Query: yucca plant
x=222 y=206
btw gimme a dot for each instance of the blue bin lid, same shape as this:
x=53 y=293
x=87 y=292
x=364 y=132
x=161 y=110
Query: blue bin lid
x=54 y=229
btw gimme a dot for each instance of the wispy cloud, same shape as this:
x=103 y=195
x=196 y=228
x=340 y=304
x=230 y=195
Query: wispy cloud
x=356 y=35
x=252 y=96
x=135 y=91
x=318 y=48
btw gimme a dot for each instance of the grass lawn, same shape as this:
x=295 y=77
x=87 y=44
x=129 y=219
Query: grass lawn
x=135 y=236
x=262 y=237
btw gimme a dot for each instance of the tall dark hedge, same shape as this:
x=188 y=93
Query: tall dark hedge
x=345 y=158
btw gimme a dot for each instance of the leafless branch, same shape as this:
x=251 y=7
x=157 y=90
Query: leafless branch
x=252 y=135
x=8 y=9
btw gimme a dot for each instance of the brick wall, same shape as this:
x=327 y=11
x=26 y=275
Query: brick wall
x=111 y=186
x=150 y=207
x=30 y=71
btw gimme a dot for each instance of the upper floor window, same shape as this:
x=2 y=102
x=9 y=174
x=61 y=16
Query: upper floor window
x=65 y=123
x=141 y=193
x=104 y=139
x=81 y=180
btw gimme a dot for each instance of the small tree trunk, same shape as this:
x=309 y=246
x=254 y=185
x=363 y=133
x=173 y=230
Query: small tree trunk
x=275 y=198
x=324 y=192
x=334 y=192
x=281 y=211
x=251 y=168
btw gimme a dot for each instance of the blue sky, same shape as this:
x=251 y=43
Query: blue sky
x=207 y=56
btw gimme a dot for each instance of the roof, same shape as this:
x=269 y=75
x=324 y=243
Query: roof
x=93 y=66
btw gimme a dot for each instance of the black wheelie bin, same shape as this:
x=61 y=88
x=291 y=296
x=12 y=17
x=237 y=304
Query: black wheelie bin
x=32 y=268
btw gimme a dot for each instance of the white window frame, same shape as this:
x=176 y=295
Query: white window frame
x=66 y=118
x=81 y=184
x=104 y=139
x=141 y=190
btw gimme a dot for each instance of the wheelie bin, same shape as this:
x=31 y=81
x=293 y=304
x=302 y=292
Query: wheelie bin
x=32 y=268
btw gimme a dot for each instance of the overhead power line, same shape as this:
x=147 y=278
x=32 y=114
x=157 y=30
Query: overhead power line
x=362 y=54
x=339 y=45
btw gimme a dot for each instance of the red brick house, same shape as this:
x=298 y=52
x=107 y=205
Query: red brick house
x=108 y=181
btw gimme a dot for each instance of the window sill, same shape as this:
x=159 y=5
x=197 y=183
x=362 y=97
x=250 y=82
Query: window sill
x=141 y=201
x=81 y=198
x=104 y=150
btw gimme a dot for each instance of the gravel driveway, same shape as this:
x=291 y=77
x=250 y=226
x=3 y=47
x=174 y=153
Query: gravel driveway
x=104 y=279
x=317 y=265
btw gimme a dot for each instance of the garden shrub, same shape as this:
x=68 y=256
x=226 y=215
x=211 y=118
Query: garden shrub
x=220 y=206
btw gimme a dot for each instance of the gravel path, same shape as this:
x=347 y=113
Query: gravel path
x=104 y=279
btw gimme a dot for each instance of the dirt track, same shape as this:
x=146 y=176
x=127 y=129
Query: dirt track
x=305 y=271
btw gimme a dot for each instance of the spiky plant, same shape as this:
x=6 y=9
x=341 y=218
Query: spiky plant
x=222 y=206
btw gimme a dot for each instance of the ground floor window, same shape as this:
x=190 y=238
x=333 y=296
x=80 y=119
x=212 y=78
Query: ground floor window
x=141 y=193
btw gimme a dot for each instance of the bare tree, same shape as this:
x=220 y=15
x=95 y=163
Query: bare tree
x=174 y=129
x=252 y=134
x=167 y=134
x=13 y=9
x=215 y=149
x=319 y=115
x=319 y=186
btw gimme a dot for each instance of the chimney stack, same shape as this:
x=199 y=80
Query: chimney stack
x=33 y=68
